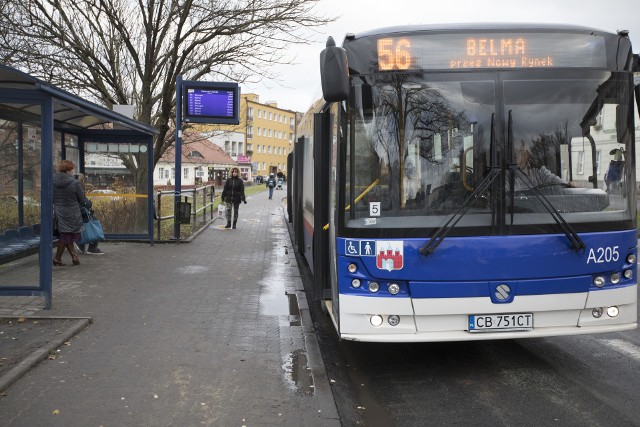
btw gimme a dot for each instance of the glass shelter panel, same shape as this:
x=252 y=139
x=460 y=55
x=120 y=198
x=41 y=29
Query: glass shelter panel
x=20 y=175
x=117 y=185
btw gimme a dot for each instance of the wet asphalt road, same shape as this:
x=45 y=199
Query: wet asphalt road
x=566 y=381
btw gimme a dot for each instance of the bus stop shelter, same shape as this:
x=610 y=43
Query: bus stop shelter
x=40 y=125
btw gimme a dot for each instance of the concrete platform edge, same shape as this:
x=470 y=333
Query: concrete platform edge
x=41 y=353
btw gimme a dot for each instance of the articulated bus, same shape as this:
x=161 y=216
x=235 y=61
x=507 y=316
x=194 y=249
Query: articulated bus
x=471 y=182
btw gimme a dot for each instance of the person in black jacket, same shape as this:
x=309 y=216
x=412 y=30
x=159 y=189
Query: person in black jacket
x=67 y=196
x=232 y=195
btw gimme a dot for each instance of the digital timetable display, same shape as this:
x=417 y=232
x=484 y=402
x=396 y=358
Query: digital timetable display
x=211 y=103
x=496 y=50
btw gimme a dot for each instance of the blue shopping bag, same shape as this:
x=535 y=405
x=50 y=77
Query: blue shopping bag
x=92 y=231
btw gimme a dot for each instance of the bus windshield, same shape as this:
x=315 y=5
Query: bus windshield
x=418 y=144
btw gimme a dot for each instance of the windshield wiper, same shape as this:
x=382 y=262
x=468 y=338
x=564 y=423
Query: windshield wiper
x=441 y=233
x=576 y=242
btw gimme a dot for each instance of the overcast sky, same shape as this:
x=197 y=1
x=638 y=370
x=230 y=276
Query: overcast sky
x=300 y=83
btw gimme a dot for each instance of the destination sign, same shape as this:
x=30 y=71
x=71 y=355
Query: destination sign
x=490 y=50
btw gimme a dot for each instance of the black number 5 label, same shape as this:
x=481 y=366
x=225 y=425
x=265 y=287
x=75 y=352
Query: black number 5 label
x=374 y=209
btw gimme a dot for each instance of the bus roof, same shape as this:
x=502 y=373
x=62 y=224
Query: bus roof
x=480 y=26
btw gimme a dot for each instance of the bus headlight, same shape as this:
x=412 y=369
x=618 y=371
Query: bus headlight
x=355 y=283
x=612 y=311
x=615 y=278
x=374 y=287
x=352 y=268
x=597 y=312
x=393 y=320
x=393 y=288
x=599 y=281
x=376 y=320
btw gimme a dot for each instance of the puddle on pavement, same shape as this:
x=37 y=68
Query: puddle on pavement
x=275 y=301
x=298 y=373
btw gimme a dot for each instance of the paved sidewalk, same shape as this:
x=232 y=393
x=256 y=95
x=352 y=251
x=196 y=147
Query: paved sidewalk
x=215 y=332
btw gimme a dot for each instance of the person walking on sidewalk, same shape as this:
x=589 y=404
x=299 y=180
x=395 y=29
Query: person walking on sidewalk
x=232 y=195
x=67 y=196
x=271 y=184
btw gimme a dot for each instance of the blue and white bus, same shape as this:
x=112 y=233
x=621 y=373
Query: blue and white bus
x=454 y=183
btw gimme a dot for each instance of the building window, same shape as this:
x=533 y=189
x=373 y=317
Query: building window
x=185 y=173
x=580 y=162
x=160 y=173
x=173 y=173
x=264 y=166
x=259 y=131
x=259 y=113
x=250 y=113
x=199 y=172
x=269 y=149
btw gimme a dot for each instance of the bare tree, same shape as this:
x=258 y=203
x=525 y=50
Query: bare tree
x=131 y=51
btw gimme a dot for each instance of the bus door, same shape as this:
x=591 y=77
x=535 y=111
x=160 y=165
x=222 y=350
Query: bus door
x=324 y=245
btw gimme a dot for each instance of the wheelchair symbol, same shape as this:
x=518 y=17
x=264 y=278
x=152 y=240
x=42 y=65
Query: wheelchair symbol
x=352 y=250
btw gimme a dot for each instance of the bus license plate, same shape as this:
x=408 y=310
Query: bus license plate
x=501 y=322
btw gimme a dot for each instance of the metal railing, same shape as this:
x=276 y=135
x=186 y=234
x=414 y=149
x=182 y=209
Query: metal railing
x=201 y=200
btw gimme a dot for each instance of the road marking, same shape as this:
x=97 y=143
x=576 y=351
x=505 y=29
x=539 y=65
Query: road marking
x=625 y=348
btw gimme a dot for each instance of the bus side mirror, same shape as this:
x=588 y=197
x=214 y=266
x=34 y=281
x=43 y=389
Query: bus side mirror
x=334 y=72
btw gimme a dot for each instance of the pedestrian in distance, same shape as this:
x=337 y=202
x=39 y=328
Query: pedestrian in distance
x=271 y=184
x=232 y=195
x=68 y=194
x=85 y=210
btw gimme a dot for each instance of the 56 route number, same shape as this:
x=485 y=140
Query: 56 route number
x=602 y=255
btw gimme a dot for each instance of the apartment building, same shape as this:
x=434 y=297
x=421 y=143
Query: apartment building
x=270 y=134
x=261 y=142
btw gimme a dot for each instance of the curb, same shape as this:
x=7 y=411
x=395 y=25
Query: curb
x=322 y=389
x=41 y=353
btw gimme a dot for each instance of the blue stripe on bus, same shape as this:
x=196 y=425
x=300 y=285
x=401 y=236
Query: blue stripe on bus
x=487 y=258
x=474 y=266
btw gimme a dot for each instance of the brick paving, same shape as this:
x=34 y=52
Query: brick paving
x=214 y=332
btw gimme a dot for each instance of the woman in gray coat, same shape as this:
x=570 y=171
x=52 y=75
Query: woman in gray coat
x=67 y=196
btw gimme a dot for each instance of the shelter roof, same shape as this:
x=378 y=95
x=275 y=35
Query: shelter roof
x=69 y=111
